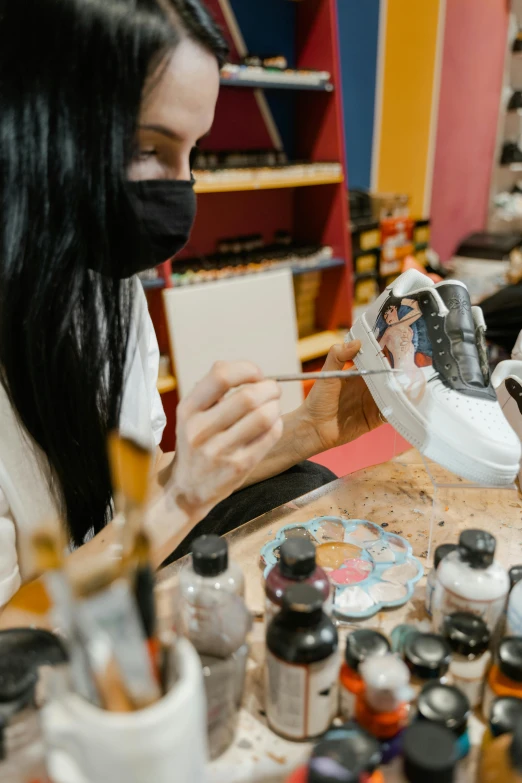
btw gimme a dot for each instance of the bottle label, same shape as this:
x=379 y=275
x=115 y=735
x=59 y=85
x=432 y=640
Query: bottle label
x=446 y=602
x=347 y=702
x=301 y=699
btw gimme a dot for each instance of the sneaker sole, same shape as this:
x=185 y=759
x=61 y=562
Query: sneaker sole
x=403 y=416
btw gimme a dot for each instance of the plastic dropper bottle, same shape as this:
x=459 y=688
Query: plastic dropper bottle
x=345 y=755
x=297 y=565
x=429 y=754
x=361 y=644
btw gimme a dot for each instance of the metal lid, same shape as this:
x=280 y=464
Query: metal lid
x=477 y=547
x=427 y=656
x=466 y=633
x=429 y=754
x=443 y=551
x=344 y=759
x=506 y=711
x=509 y=657
x=210 y=555
x=444 y=704
x=362 y=643
x=297 y=558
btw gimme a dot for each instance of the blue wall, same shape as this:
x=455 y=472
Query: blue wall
x=358 y=33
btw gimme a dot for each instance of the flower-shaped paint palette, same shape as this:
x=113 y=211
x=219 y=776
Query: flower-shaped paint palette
x=369 y=569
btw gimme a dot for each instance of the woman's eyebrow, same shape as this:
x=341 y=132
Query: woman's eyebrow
x=170 y=134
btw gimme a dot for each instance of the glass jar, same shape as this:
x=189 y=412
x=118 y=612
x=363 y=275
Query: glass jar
x=506 y=712
x=428 y=657
x=446 y=706
x=505 y=676
x=440 y=553
x=468 y=636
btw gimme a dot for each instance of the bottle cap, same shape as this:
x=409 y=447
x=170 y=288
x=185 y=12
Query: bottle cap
x=427 y=656
x=210 y=555
x=297 y=558
x=343 y=756
x=515 y=575
x=515 y=750
x=443 y=551
x=429 y=754
x=302 y=599
x=362 y=643
x=444 y=704
x=477 y=547
x=505 y=712
x=510 y=657
x=466 y=633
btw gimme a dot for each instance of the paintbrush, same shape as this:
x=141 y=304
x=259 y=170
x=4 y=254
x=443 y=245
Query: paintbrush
x=144 y=593
x=130 y=466
x=322 y=376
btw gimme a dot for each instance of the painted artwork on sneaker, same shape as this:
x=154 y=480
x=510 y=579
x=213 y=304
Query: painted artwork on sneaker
x=402 y=334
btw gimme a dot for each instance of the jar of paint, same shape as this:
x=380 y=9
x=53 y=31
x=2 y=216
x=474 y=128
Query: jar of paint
x=429 y=754
x=428 y=657
x=351 y=755
x=505 y=676
x=302 y=666
x=440 y=553
x=501 y=760
x=506 y=712
x=382 y=709
x=469 y=580
x=360 y=645
x=446 y=706
x=297 y=565
x=468 y=637
x=514 y=607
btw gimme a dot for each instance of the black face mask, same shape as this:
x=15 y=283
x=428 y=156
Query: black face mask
x=166 y=210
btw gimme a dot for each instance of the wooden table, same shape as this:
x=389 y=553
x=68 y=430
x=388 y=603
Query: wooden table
x=417 y=500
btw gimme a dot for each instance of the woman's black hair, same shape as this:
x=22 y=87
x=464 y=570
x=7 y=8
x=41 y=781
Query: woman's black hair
x=72 y=75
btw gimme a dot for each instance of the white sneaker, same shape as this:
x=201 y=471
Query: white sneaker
x=443 y=403
x=507 y=382
x=517 y=350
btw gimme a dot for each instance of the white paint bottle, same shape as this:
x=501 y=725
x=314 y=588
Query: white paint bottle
x=441 y=552
x=514 y=607
x=469 y=580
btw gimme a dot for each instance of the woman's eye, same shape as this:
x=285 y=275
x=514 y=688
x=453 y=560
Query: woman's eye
x=143 y=155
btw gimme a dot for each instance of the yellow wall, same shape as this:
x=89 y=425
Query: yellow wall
x=408 y=80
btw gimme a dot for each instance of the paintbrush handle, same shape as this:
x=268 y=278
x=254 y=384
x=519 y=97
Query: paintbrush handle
x=320 y=376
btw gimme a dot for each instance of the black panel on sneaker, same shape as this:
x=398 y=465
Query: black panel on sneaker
x=511 y=153
x=515 y=390
x=515 y=102
x=455 y=354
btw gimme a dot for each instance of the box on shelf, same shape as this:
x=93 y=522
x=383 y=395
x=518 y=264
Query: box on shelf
x=422 y=232
x=390 y=205
x=366 y=263
x=421 y=256
x=366 y=236
x=482 y=262
x=306 y=290
x=365 y=291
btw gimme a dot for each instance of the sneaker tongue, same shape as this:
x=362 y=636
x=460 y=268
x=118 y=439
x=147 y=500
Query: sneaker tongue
x=460 y=328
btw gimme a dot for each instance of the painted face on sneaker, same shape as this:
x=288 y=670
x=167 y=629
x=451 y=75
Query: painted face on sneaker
x=391 y=315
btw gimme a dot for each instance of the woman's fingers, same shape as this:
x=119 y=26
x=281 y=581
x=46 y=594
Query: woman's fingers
x=222 y=377
x=247 y=430
x=230 y=410
x=340 y=354
x=259 y=448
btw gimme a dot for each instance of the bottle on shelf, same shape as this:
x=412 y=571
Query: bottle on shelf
x=297 y=565
x=382 y=709
x=345 y=754
x=302 y=666
x=214 y=617
x=505 y=713
x=446 y=705
x=429 y=754
x=468 y=637
x=360 y=644
x=505 y=676
x=501 y=760
x=428 y=657
x=470 y=580
x=440 y=553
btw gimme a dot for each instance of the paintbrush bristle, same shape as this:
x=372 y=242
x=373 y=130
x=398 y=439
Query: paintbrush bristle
x=142 y=549
x=47 y=549
x=130 y=468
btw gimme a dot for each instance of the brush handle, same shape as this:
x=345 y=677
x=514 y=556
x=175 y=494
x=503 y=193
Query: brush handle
x=321 y=376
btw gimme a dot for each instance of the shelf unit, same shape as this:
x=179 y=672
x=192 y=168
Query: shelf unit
x=312 y=208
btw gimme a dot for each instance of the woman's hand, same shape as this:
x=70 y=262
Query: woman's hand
x=222 y=433
x=338 y=410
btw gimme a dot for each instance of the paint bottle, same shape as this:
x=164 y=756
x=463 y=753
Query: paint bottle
x=468 y=637
x=514 y=607
x=428 y=657
x=469 y=580
x=501 y=760
x=440 y=553
x=22 y=750
x=302 y=666
x=214 y=617
x=505 y=713
x=429 y=754
x=344 y=754
x=297 y=565
x=360 y=645
x=505 y=676
x=446 y=706
x=382 y=709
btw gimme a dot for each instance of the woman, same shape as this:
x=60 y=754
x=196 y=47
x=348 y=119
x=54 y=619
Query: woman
x=101 y=104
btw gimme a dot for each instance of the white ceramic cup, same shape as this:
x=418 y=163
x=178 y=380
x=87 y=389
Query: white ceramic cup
x=159 y=744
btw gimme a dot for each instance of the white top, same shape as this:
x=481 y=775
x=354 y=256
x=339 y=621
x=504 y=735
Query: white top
x=25 y=498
